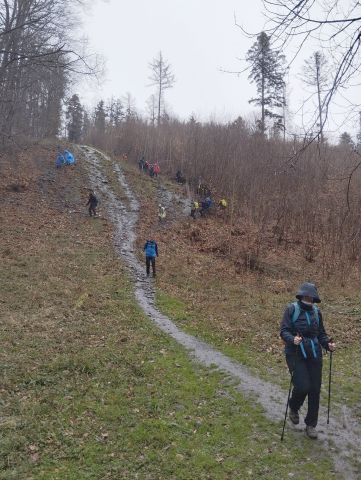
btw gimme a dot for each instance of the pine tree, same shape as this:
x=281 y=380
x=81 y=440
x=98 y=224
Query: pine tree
x=346 y=140
x=74 y=116
x=267 y=72
x=115 y=112
x=99 y=117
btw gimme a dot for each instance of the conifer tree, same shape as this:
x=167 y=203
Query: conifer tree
x=267 y=72
x=74 y=116
x=99 y=117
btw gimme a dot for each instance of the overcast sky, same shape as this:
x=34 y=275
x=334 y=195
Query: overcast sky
x=199 y=38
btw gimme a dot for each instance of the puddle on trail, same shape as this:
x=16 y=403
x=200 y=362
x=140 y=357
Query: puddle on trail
x=341 y=439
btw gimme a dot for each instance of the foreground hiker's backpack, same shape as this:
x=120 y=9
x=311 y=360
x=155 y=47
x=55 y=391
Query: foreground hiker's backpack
x=295 y=315
x=297 y=311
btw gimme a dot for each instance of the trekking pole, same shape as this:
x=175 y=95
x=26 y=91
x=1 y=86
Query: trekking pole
x=329 y=387
x=288 y=399
x=289 y=394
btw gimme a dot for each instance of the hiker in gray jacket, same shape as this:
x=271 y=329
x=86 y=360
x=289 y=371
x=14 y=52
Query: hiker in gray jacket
x=304 y=335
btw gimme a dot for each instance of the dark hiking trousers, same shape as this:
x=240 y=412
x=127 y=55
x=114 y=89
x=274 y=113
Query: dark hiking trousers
x=306 y=381
x=92 y=210
x=148 y=261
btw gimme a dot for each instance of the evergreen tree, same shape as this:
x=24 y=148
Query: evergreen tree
x=346 y=140
x=86 y=124
x=74 y=116
x=99 y=117
x=115 y=112
x=267 y=72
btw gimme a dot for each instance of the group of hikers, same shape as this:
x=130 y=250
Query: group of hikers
x=202 y=207
x=64 y=157
x=302 y=329
x=153 y=169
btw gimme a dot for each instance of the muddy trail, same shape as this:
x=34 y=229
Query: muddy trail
x=341 y=438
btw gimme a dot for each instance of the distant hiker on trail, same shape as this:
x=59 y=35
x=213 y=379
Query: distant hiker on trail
x=161 y=213
x=141 y=163
x=222 y=204
x=151 y=251
x=151 y=170
x=146 y=166
x=156 y=169
x=206 y=205
x=60 y=160
x=69 y=158
x=194 y=208
x=304 y=335
x=179 y=177
x=92 y=202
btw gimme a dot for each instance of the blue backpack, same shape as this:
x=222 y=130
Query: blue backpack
x=150 y=249
x=295 y=316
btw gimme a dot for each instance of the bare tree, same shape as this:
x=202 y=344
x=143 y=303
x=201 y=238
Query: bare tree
x=315 y=74
x=37 y=56
x=151 y=108
x=161 y=77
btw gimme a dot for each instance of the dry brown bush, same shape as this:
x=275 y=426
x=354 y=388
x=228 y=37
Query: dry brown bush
x=309 y=204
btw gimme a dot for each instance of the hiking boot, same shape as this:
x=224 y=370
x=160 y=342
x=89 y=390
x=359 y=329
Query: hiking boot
x=311 y=432
x=294 y=417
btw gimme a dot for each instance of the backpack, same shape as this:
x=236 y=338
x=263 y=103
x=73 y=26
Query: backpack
x=294 y=318
x=150 y=249
x=297 y=312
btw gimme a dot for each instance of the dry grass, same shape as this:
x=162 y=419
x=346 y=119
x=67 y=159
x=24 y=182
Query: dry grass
x=90 y=388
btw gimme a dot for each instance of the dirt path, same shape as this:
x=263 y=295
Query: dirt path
x=341 y=439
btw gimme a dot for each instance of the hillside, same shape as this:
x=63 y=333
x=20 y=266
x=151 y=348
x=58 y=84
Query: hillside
x=92 y=388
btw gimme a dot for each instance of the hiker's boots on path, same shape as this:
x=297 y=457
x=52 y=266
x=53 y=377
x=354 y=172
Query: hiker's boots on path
x=311 y=432
x=294 y=417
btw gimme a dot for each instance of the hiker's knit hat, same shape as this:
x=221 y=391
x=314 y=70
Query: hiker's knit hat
x=308 y=290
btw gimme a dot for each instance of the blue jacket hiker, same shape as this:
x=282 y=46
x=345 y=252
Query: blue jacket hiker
x=304 y=335
x=151 y=251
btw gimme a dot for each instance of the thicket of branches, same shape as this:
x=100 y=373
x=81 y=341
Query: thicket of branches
x=38 y=54
x=312 y=206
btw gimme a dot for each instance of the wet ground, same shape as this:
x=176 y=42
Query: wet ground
x=341 y=438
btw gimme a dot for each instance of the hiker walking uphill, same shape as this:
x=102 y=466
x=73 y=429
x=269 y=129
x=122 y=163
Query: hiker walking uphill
x=141 y=163
x=151 y=251
x=304 y=335
x=92 y=202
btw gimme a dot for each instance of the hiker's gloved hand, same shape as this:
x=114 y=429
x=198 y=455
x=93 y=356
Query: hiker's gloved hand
x=331 y=346
x=297 y=340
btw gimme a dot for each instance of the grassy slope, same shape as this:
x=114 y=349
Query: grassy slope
x=240 y=313
x=90 y=388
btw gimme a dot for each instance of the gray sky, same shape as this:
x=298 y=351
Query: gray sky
x=198 y=38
